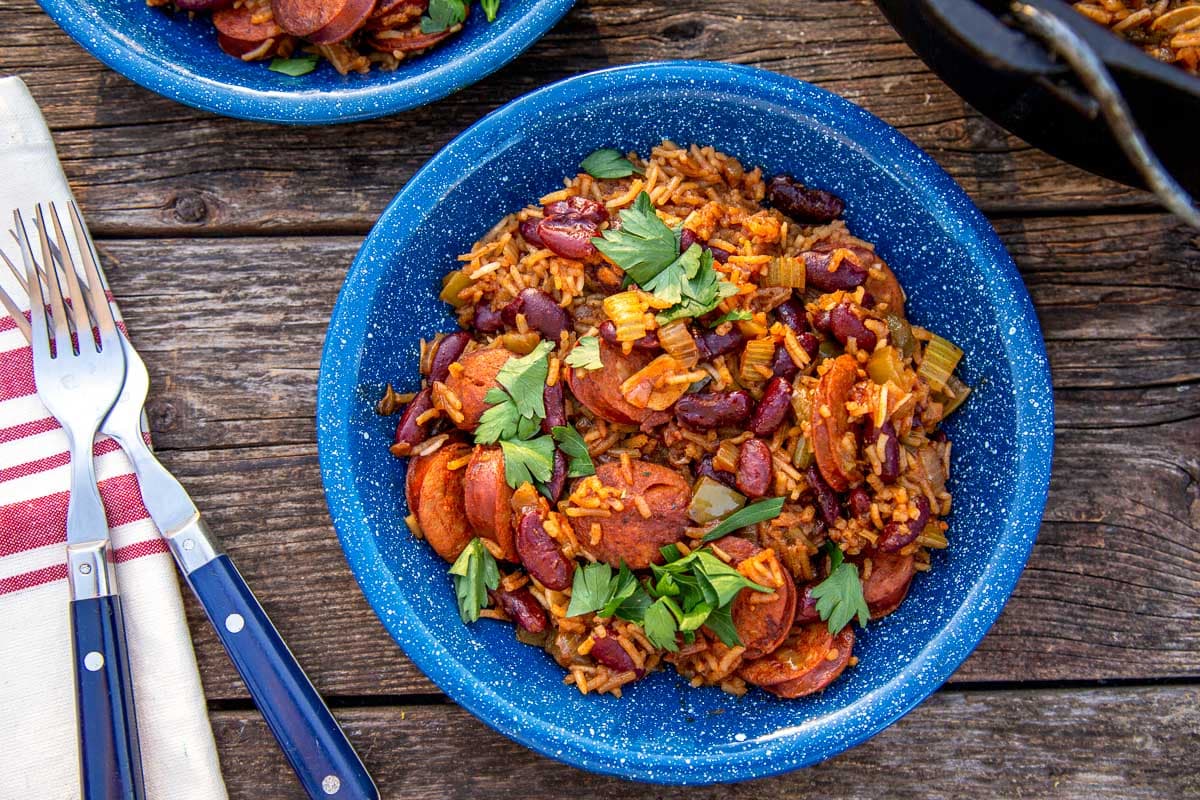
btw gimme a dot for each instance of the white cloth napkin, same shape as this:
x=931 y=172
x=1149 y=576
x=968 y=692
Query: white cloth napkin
x=38 y=742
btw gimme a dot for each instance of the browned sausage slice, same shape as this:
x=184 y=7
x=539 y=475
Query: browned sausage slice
x=887 y=586
x=837 y=656
x=406 y=40
x=807 y=661
x=628 y=536
x=418 y=467
x=353 y=16
x=883 y=286
x=441 y=511
x=475 y=380
x=600 y=389
x=487 y=497
x=238 y=33
x=762 y=621
x=306 y=17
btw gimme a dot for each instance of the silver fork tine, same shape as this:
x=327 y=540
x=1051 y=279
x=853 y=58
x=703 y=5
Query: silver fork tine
x=39 y=333
x=13 y=267
x=58 y=309
x=79 y=305
x=101 y=310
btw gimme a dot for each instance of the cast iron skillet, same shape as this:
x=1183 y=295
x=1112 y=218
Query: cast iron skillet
x=977 y=48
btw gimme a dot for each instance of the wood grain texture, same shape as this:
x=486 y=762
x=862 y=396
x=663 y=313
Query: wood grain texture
x=232 y=331
x=141 y=164
x=1069 y=745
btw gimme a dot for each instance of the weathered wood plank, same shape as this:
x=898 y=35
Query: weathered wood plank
x=141 y=164
x=1077 y=745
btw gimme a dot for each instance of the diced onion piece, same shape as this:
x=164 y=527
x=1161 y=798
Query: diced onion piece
x=758 y=353
x=628 y=313
x=956 y=393
x=785 y=271
x=677 y=341
x=726 y=457
x=713 y=500
x=886 y=364
x=452 y=286
x=649 y=387
x=521 y=343
x=931 y=536
x=801 y=403
x=941 y=357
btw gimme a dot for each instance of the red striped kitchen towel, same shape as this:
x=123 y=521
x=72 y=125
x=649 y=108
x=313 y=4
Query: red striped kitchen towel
x=38 y=746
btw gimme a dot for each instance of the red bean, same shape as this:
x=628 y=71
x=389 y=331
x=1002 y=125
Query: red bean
x=522 y=608
x=772 y=408
x=845 y=326
x=754 y=468
x=579 y=207
x=821 y=321
x=688 y=237
x=815 y=206
x=556 y=411
x=806 y=608
x=540 y=554
x=859 y=502
x=608 y=332
x=791 y=313
x=898 y=534
x=487 y=320
x=847 y=275
x=713 y=344
x=608 y=651
x=568 y=227
x=541 y=313
x=782 y=365
x=407 y=430
x=827 y=500
x=705 y=468
x=529 y=232
x=890 y=462
x=708 y=410
x=810 y=343
x=558 y=476
x=449 y=350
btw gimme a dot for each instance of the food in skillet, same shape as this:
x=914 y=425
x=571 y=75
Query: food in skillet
x=352 y=35
x=685 y=422
x=1169 y=30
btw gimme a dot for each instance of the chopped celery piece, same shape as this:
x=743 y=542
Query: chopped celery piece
x=886 y=364
x=941 y=357
x=959 y=390
x=452 y=284
x=713 y=500
x=901 y=334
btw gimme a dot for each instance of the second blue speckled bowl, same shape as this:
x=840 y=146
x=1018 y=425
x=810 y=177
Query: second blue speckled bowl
x=960 y=281
x=179 y=58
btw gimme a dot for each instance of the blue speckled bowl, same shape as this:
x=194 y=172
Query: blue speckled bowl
x=179 y=58
x=960 y=281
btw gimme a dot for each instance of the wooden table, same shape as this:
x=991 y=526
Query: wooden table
x=226 y=242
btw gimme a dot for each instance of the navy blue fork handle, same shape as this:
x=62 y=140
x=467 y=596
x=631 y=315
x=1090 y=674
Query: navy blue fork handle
x=110 y=758
x=310 y=737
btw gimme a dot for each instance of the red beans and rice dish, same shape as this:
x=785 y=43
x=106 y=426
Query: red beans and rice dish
x=685 y=422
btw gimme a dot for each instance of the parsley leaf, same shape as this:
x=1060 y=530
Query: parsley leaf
x=626 y=597
x=760 y=511
x=701 y=292
x=585 y=354
x=491 y=8
x=589 y=589
x=301 y=65
x=660 y=625
x=737 y=315
x=500 y=420
x=608 y=162
x=529 y=461
x=720 y=622
x=724 y=580
x=474 y=572
x=840 y=597
x=443 y=14
x=571 y=443
x=643 y=246
x=525 y=380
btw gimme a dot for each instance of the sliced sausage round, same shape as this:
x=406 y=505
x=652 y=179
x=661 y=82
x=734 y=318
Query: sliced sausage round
x=628 y=536
x=762 y=624
x=487 y=495
x=838 y=465
x=887 y=586
x=238 y=33
x=600 y=389
x=809 y=659
x=353 y=16
x=475 y=380
x=837 y=657
x=883 y=286
x=406 y=40
x=440 y=507
x=307 y=17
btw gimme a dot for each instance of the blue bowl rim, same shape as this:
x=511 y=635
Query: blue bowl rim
x=940 y=657
x=301 y=107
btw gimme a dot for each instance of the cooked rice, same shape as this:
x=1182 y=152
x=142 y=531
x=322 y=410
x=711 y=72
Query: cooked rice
x=1168 y=30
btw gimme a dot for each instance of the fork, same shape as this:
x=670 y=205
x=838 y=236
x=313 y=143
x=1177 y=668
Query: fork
x=319 y=752
x=78 y=382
